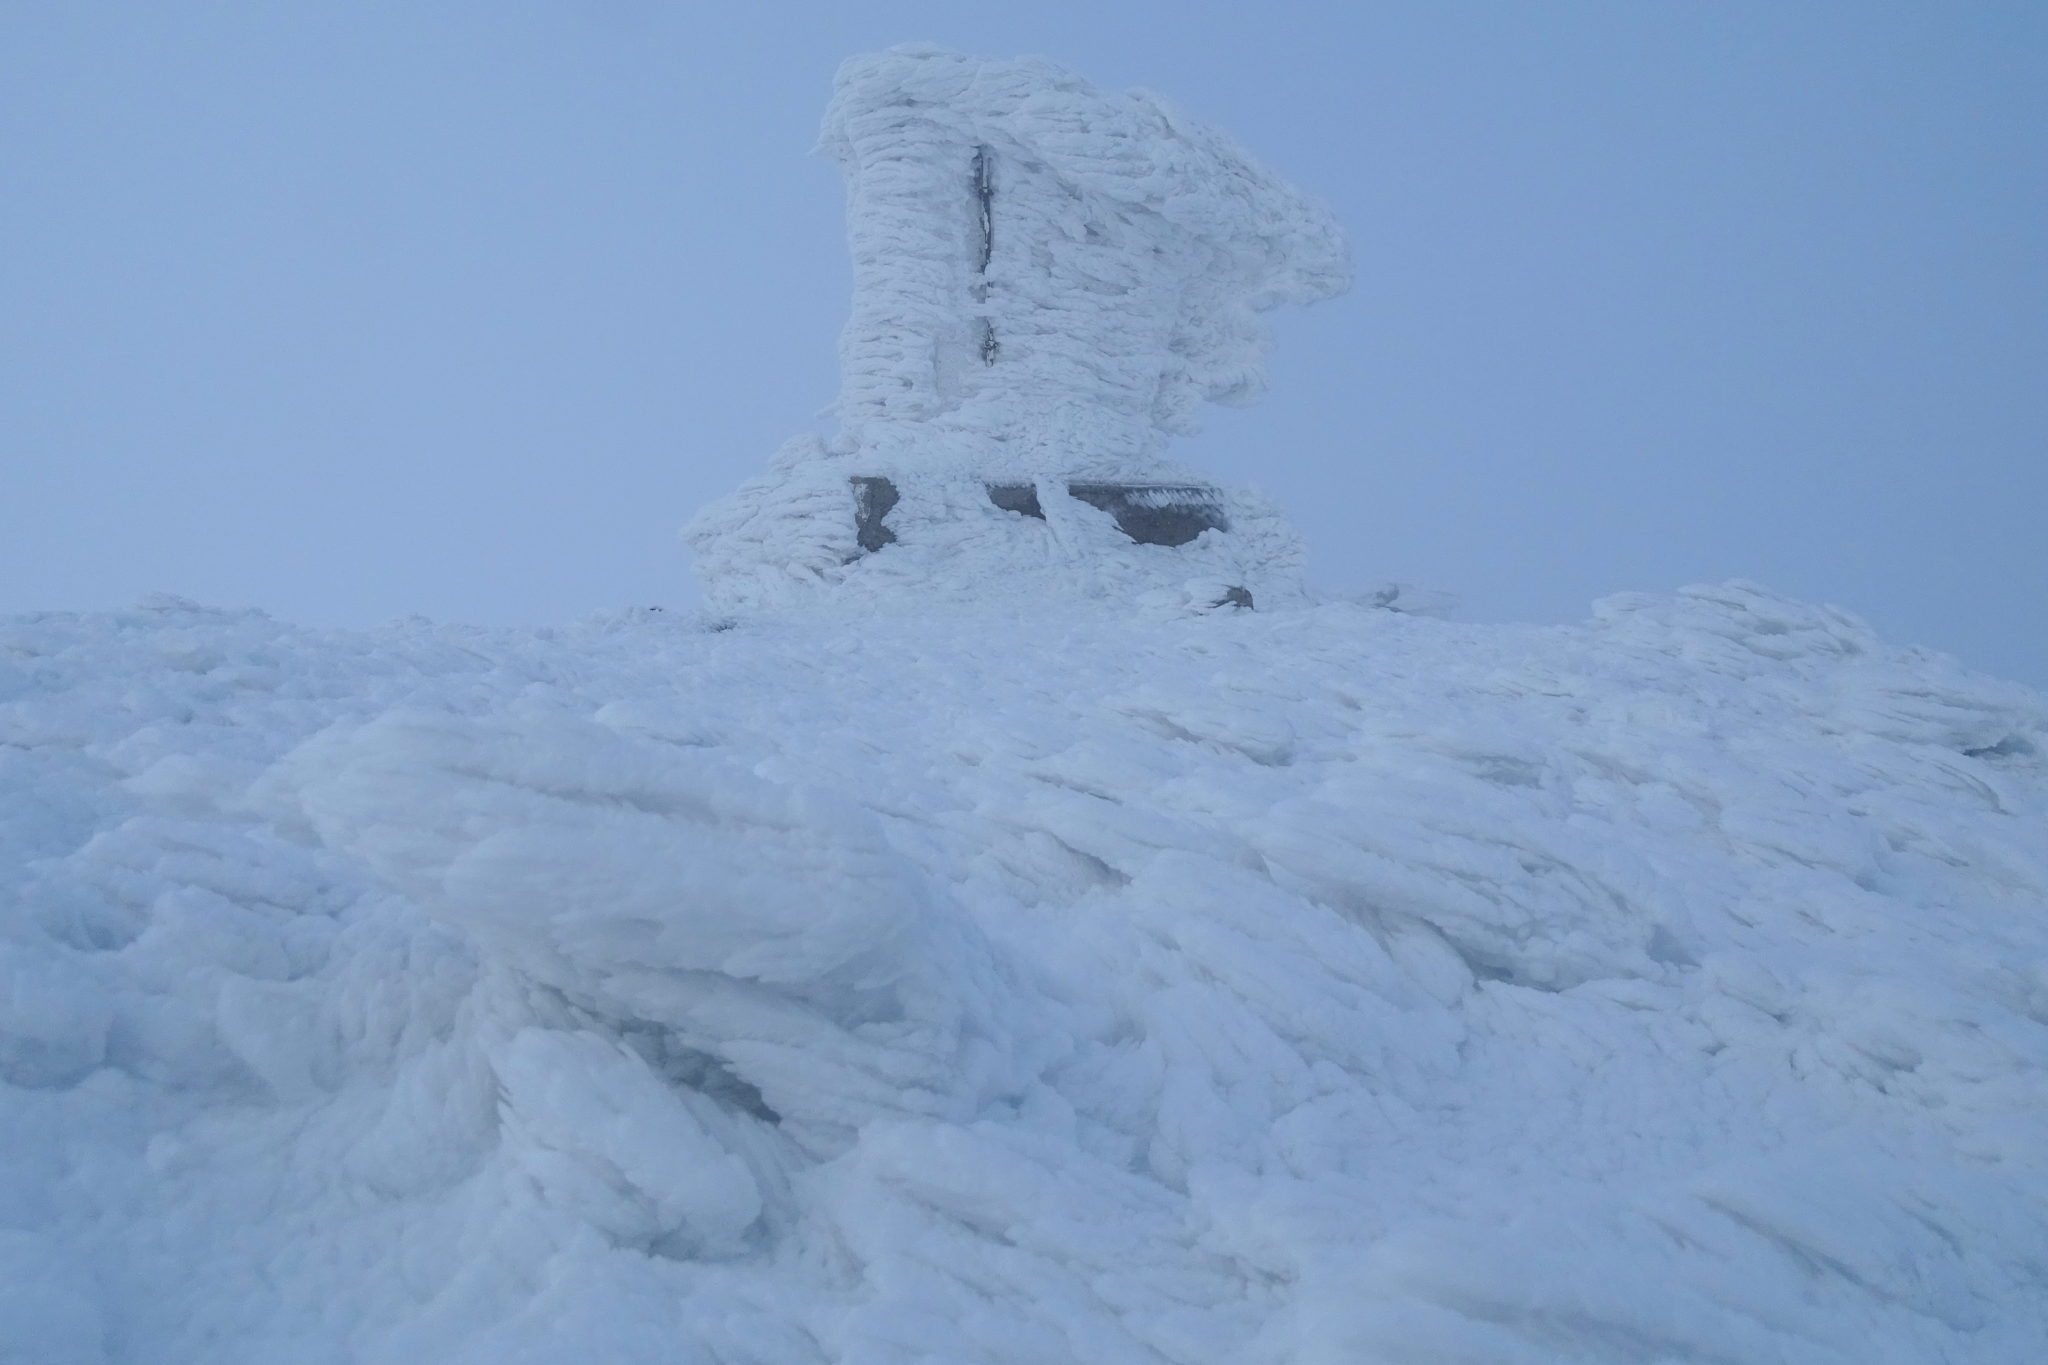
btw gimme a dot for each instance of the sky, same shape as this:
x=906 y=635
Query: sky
x=357 y=311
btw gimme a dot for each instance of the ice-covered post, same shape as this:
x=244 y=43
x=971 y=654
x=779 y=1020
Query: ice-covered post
x=1048 y=283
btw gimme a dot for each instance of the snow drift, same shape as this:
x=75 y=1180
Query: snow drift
x=1305 y=986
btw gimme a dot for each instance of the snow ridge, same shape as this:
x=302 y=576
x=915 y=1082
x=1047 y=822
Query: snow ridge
x=1311 y=985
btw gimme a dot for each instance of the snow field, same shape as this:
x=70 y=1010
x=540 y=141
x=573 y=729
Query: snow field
x=1312 y=985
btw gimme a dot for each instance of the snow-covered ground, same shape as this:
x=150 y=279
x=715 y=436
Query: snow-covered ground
x=1313 y=985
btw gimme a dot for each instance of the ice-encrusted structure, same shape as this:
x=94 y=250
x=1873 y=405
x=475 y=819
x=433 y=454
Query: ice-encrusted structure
x=1295 y=987
x=1049 y=281
x=1109 y=978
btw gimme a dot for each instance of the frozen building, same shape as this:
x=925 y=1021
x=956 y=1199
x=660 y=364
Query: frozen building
x=1049 y=281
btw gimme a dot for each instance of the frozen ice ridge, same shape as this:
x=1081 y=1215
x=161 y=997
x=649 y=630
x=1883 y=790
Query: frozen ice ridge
x=1049 y=281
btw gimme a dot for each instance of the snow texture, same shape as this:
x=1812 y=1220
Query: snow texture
x=1309 y=986
x=1048 y=283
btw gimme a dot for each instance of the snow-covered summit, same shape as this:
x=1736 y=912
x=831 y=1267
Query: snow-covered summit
x=1282 y=988
x=1118 y=977
x=1049 y=281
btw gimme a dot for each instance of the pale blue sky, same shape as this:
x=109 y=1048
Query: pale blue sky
x=354 y=310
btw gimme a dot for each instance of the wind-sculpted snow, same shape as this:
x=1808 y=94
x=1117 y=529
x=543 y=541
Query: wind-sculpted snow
x=1313 y=986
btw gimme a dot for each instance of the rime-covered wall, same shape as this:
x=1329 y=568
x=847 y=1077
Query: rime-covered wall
x=1128 y=254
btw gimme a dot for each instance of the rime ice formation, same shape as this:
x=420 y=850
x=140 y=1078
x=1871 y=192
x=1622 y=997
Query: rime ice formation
x=1294 y=987
x=1048 y=283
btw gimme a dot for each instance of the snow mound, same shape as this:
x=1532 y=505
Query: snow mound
x=1313 y=985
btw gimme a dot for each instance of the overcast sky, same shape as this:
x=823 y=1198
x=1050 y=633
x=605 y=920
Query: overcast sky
x=354 y=310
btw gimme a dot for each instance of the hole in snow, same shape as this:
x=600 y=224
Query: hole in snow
x=1017 y=497
x=1156 y=514
x=873 y=498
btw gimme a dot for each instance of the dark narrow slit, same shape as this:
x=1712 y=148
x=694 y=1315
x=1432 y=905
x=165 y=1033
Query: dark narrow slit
x=984 y=200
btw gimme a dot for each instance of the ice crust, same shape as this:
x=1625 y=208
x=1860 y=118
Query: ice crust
x=1112 y=283
x=1304 y=986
